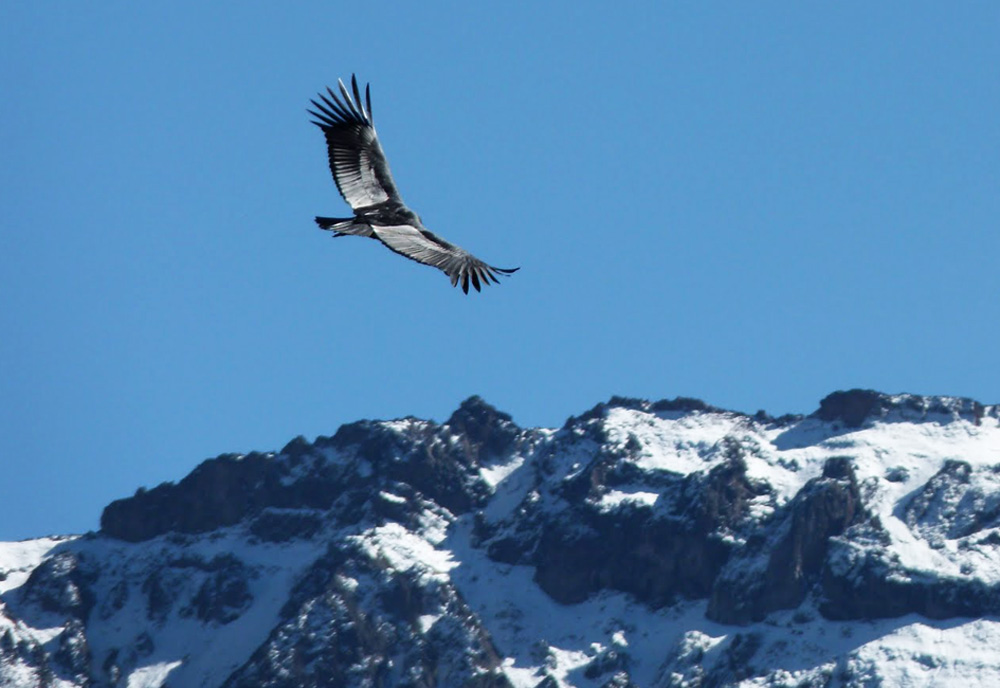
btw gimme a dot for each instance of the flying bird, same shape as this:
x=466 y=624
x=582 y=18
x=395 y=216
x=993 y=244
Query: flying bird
x=362 y=176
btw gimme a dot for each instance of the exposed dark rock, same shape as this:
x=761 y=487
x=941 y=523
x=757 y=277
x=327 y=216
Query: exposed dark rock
x=63 y=584
x=620 y=679
x=865 y=584
x=508 y=550
x=110 y=666
x=949 y=506
x=372 y=639
x=678 y=405
x=421 y=458
x=72 y=658
x=379 y=445
x=278 y=525
x=116 y=598
x=441 y=473
x=160 y=595
x=224 y=594
x=719 y=499
x=7 y=644
x=899 y=474
x=851 y=408
x=729 y=663
x=825 y=507
x=861 y=581
x=675 y=405
x=215 y=590
x=143 y=645
x=221 y=492
x=440 y=462
x=609 y=660
x=683 y=405
x=483 y=431
x=736 y=663
x=764 y=418
x=854 y=407
x=296 y=449
x=657 y=557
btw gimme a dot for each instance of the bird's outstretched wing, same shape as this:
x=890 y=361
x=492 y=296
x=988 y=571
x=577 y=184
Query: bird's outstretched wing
x=426 y=247
x=356 y=159
x=363 y=178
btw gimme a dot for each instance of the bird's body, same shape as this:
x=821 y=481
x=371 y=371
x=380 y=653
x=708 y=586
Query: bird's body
x=362 y=175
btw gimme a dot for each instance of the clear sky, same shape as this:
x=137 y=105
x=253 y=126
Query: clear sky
x=751 y=203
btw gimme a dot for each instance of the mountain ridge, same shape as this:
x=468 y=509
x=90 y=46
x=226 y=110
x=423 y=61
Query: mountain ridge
x=411 y=552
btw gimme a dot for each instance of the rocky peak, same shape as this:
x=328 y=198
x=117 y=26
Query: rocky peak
x=677 y=404
x=63 y=585
x=441 y=462
x=855 y=407
x=777 y=569
x=483 y=430
x=222 y=492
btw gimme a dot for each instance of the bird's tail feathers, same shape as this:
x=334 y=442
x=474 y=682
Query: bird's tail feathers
x=344 y=226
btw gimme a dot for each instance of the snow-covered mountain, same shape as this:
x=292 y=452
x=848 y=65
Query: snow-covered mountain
x=642 y=544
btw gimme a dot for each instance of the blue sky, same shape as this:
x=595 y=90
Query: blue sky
x=751 y=203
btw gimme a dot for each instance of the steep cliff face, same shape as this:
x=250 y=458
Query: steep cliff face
x=643 y=543
x=779 y=568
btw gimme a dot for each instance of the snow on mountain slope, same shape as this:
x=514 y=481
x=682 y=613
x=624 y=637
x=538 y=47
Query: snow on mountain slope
x=19 y=559
x=643 y=543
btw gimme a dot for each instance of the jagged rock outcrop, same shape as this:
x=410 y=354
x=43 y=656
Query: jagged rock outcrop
x=222 y=492
x=956 y=503
x=659 y=555
x=372 y=625
x=949 y=512
x=63 y=585
x=439 y=461
x=855 y=407
x=777 y=571
x=865 y=585
x=482 y=432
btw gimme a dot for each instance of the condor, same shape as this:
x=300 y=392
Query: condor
x=362 y=176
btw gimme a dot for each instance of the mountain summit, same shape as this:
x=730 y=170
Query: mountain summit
x=666 y=543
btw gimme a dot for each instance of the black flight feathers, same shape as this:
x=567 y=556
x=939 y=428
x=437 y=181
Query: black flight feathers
x=362 y=175
x=351 y=109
